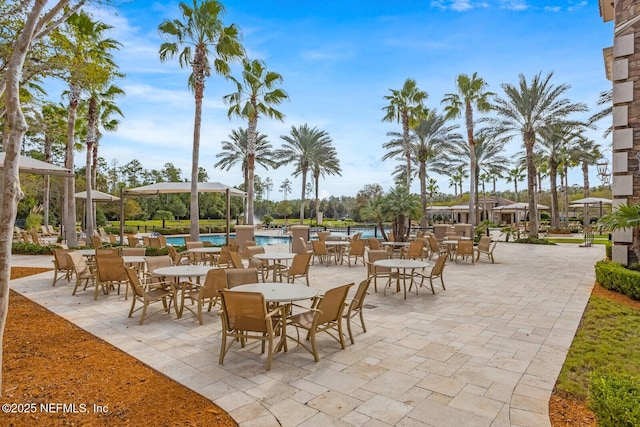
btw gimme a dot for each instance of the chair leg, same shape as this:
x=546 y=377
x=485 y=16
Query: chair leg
x=314 y=350
x=349 y=328
x=364 y=328
x=144 y=312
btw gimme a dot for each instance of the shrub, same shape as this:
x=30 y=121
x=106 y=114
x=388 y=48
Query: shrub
x=608 y=249
x=31 y=249
x=616 y=277
x=615 y=399
x=559 y=231
x=534 y=241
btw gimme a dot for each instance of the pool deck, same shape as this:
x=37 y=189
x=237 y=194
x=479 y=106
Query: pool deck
x=484 y=352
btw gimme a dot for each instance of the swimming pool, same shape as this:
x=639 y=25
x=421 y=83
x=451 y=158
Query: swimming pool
x=220 y=240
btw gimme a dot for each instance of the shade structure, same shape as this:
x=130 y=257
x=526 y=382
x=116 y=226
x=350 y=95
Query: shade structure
x=180 y=187
x=520 y=206
x=592 y=201
x=97 y=196
x=31 y=165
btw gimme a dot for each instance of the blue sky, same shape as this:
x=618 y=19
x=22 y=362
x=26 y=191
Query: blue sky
x=338 y=60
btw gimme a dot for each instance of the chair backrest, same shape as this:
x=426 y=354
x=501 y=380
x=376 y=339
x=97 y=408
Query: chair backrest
x=361 y=293
x=300 y=264
x=134 y=281
x=175 y=256
x=236 y=260
x=391 y=237
x=319 y=247
x=146 y=241
x=155 y=262
x=79 y=264
x=132 y=240
x=215 y=282
x=45 y=230
x=95 y=241
x=102 y=232
x=154 y=242
x=193 y=245
x=433 y=244
x=107 y=252
x=374 y=243
x=61 y=260
x=113 y=239
x=376 y=255
x=52 y=230
x=241 y=276
x=465 y=247
x=357 y=247
x=322 y=235
x=163 y=241
x=415 y=249
x=244 y=311
x=439 y=267
x=301 y=247
x=26 y=238
x=224 y=258
x=356 y=236
x=485 y=243
x=110 y=269
x=34 y=237
x=331 y=305
x=247 y=244
x=134 y=251
x=250 y=251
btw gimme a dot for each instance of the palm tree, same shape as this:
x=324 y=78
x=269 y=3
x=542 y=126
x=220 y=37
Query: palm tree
x=53 y=120
x=515 y=175
x=236 y=151
x=285 y=188
x=406 y=106
x=201 y=35
x=457 y=175
x=399 y=206
x=325 y=162
x=429 y=140
x=302 y=147
x=255 y=96
x=81 y=45
x=471 y=92
x=605 y=98
x=625 y=216
x=525 y=110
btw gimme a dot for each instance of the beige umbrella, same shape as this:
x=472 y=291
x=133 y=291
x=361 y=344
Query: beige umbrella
x=31 y=165
x=97 y=196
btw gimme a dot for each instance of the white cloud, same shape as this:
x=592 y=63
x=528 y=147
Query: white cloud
x=517 y=5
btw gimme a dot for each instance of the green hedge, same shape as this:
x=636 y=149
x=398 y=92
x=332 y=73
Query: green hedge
x=31 y=249
x=615 y=399
x=616 y=277
x=608 y=249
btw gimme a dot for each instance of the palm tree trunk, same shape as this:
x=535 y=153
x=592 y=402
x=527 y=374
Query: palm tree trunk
x=405 y=144
x=194 y=230
x=529 y=140
x=251 y=166
x=565 y=168
x=316 y=178
x=585 y=178
x=70 y=184
x=92 y=120
x=47 y=180
x=304 y=188
x=472 y=164
x=553 y=178
x=423 y=193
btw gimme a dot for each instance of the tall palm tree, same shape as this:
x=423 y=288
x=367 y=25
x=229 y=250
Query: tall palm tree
x=301 y=148
x=201 y=35
x=430 y=139
x=471 y=92
x=524 y=111
x=53 y=120
x=515 y=175
x=82 y=46
x=407 y=107
x=255 y=96
x=457 y=175
x=399 y=206
x=235 y=151
x=325 y=162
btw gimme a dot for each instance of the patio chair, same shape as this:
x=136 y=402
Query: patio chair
x=148 y=293
x=414 y=251
x=464 y=250
x=113 y=239
x=241 y=276
x=325 y=315
x=95 y=241
x=209 y=291
x=244 y=252
x=37 y=240
x=224 y=259
x=52 y=231
x=177 y=258
x=435 y=248
x=374 y=272
x=196 y=258
x=355 y=307
x=356 y=249
x=155 y=262
x=303 y=247
x=485 y=246
x=236 y=260
x=322 y=235
x=82 y=271
x=107 y=252
x=132 y=240
x=154 y=242
x=245 y=316
x=320 y=252
x=61 y=264
x=374 y=243
x=146 y=242
x=26 y=237
x=110 y=273
x=437 y=272
x=134 y=251
x=163 y=241
x=45 y=231
x=299 y=268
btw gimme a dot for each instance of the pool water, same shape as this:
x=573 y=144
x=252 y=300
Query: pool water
x=220 y=240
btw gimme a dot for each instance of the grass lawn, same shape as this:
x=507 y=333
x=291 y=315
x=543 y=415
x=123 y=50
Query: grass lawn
x=608 y=340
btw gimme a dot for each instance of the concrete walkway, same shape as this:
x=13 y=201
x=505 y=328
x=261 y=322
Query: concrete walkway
x=485 y=352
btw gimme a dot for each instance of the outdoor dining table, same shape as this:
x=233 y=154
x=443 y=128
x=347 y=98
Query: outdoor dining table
x=206 y=251
x=87 y=253
x=395 y=246
x=279 y=293
x=275 y=258
x=135 y=261
x=178 y=271
x=401 y=266
x=338 y=247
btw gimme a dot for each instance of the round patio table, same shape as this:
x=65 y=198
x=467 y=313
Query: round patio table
x=275 y=258
x=178 y=271
x=278 y=292
x=338 y=247
x=404 y=265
